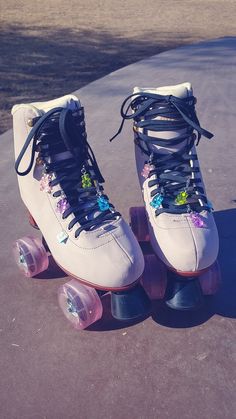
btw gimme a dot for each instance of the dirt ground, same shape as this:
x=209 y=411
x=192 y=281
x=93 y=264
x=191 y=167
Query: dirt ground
x=50 y=48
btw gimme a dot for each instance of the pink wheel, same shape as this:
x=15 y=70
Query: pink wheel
x=30 y=255
x=154 y=278
x=210 y=280
x=80 y=304
x=139 y=225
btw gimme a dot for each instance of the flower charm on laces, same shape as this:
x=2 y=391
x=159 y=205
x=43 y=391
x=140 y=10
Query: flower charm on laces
x=157 y=201
x=62 y=205
x=45 y=183
x=86 y=180
x=146 y=170
x=62 y=237
x=103 y=203
x=197 y=220
x=181 y=198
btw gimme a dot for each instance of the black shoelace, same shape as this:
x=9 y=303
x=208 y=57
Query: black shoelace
x=61 y=130
x=178 y=188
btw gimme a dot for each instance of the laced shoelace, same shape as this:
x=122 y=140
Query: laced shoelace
x=61 y=130
x=178 y=188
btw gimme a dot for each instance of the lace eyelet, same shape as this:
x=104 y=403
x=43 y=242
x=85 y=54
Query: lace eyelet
x=68 y=229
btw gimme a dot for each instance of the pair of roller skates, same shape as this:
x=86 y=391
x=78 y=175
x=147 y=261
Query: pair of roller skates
x=171 y=248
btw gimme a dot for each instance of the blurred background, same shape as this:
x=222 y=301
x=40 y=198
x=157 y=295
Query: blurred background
x=49 y=48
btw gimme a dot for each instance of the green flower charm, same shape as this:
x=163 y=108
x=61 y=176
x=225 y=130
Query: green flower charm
x=181 y=198
x=86 y=181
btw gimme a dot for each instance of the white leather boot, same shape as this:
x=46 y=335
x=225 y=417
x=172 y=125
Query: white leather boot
x=181 y=225
x=60 y=185
x=178 y=221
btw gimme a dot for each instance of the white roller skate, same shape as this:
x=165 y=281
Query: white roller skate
x=181 y=227
x=60 y=185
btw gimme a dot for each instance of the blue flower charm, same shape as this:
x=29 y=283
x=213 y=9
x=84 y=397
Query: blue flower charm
x=103 y=203
x=157 y=200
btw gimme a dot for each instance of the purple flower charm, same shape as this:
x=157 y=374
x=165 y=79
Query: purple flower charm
x=45 y=183
x=146 y=170
x=197 y=220
x=62 y=205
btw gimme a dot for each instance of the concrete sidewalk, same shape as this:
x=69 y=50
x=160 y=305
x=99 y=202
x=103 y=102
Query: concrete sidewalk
x=50 y=48
x=171 y=365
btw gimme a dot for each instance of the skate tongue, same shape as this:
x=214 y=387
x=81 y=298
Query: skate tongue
x=73 y=104
x=68 y=101
x=181 y=91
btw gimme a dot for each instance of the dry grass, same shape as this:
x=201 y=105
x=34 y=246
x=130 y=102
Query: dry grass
x=50 y=48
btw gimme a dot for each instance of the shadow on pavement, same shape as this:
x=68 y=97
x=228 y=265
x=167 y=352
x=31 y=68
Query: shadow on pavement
x=53 y=271
x=225 y=300
x=108 y=322
x=41 y=63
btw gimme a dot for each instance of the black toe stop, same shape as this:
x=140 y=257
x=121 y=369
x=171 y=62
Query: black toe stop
x=130 y=304
x=183 y=293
